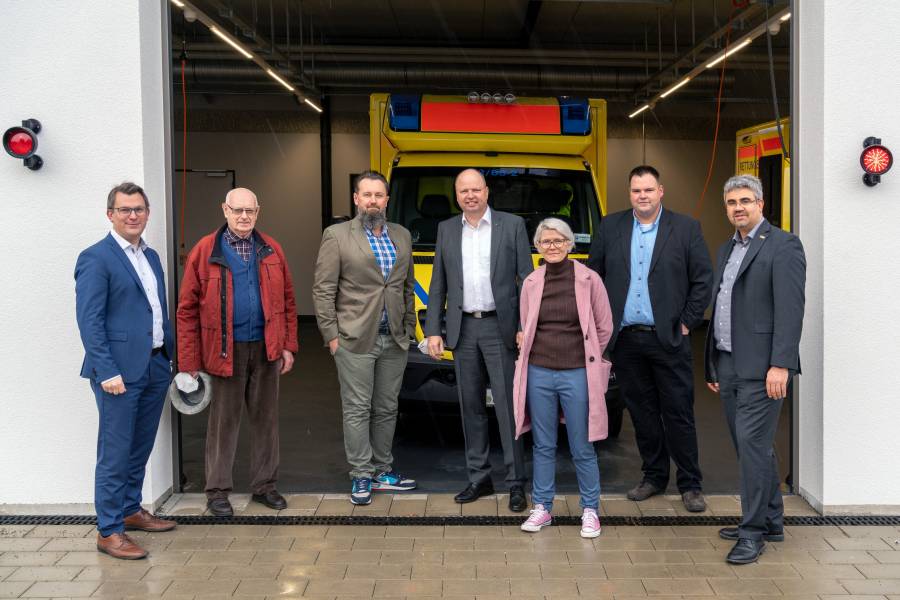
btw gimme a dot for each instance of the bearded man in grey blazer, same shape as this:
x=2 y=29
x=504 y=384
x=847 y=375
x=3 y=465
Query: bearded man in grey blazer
x=752 y=353
x=482 y=320
x=363 y=297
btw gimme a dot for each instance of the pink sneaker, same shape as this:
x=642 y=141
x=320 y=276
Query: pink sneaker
x=538 y=518
x=590 y=523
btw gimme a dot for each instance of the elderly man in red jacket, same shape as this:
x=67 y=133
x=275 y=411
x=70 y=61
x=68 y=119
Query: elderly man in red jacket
x=237 y=320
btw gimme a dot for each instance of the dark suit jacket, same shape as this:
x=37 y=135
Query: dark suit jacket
x=679 y=278
x=114 y=316
x=767 y=304
x=510 y=264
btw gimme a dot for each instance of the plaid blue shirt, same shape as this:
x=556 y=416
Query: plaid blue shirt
x=385 y=257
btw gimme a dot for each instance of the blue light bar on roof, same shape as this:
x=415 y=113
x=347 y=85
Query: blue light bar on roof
x=404 y=111
x=575 y=115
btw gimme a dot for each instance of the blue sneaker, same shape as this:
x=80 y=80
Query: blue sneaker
x=361 y=493
x=392 y=481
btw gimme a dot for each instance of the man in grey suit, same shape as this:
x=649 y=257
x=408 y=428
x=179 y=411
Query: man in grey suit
x=363 y=297
x=482 y=319
x=752 y=352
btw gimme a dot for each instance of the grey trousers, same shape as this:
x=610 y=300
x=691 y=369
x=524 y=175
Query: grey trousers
x=481 y=352
x=254 y=385
x=370 y=383
x=753 y=420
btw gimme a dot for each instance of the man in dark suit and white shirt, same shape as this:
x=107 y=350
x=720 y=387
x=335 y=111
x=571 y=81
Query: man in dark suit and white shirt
x=482 y=315
x=657 y=271
x=752 y=352
x=120 y=304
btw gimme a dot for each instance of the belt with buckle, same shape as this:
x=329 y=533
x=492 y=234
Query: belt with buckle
x=156 y=351
x=481 y=314
x=643 y=328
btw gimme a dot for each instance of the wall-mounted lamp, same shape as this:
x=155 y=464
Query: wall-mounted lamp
x=21 y=142
x=875 y=160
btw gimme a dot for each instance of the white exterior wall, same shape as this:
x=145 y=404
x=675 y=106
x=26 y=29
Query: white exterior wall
x=849 y=401
x=92 y=73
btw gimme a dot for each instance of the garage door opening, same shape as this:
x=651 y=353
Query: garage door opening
x=245 y=124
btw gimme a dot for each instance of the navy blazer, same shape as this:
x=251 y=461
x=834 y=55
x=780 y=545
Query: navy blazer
x=680 y=274
x=114 y=316
x=767 y=304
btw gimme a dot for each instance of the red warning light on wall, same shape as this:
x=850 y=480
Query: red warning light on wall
x=21 y=142
x=875 y=160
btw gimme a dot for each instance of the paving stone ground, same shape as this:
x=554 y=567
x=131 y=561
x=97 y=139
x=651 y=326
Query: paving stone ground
x=472 y=562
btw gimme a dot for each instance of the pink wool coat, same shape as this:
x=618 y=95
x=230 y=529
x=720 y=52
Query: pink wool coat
x=596 y=325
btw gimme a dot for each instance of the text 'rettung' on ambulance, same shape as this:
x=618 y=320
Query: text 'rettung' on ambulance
x=759 y=152
x=541 y=157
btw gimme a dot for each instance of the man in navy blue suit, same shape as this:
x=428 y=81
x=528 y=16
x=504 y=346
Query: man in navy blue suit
x=120 y=300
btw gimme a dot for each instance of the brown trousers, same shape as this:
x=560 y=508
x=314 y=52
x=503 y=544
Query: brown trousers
x=254 y=385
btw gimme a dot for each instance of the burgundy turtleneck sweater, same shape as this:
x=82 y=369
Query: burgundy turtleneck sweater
x=558 y=342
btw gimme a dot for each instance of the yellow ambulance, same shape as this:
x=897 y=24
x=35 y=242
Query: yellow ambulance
x=541 y=157
x=758 y=152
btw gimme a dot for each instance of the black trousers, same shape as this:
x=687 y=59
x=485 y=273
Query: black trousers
x=753 y=420
x=658 y=388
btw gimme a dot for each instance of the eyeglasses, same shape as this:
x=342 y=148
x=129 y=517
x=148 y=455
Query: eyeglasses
x=547 y=244
x=744 y=202
x=250 y=212
x=125 y=211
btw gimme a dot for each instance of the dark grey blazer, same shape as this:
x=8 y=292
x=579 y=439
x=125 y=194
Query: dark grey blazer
x=511 y=263
x=679 y=279
x=767 y=304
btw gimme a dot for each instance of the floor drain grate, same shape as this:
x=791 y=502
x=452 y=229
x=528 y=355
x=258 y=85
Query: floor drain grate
x=699 y=520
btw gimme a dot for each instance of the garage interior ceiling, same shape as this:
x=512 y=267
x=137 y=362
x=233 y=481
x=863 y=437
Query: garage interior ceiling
x=623 y=51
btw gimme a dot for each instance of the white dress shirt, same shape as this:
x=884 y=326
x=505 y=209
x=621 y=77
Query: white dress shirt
x=135 y=254
x=476 y=263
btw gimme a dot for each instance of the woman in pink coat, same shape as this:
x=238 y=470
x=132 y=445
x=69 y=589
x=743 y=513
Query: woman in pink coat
x=566 y=324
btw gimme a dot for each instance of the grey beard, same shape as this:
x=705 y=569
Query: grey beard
x=371 y=221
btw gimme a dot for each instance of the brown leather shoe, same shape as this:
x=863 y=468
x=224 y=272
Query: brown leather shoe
x=119 y=545
x=144 y=521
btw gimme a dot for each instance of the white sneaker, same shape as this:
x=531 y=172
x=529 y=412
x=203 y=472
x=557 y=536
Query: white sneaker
x=590 y=523
x=538 y=518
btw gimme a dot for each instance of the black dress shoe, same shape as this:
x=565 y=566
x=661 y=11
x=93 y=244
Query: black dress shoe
x=517 y=501
x=475 y=491
x=219 y=507
x=745 y=551
x=731 y=533
x=272 y=499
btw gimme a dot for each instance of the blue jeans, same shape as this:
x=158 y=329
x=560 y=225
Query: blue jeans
x=548 y=389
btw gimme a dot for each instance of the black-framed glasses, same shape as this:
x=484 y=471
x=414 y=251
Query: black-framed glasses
x=125 y=211
x=250 y=212
x=547 y=244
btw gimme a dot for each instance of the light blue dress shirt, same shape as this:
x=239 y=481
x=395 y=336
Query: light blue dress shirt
x=637 y=303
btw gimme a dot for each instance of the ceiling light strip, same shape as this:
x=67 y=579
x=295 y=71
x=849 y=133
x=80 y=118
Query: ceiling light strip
x=638 y=111
x=312 y=104
x=262 y=64
x=722 y=56
x=674 y=87
x=275 y=76
x=227 y=39
x=760 y=29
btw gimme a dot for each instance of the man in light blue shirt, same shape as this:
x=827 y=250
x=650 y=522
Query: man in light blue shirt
x=657 y=272
x=638 y=310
